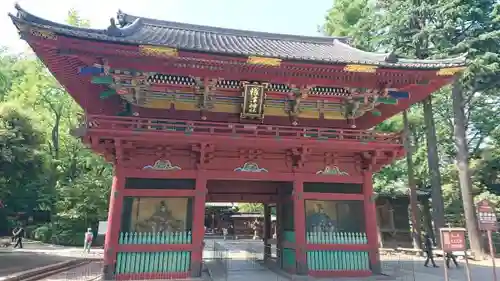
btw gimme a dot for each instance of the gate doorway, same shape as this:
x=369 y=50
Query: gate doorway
x=240 y=240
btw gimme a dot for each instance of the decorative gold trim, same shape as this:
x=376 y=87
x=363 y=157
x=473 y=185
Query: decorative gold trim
x=45 y=34
x=449 y=71
x=254 y=96
x=157 y=51
x=361 y=68
x=264 y=61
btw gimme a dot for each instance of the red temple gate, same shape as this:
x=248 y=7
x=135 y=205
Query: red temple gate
x=190 y=114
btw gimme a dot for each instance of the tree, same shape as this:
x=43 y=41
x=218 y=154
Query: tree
x=251 y=208
x=22 y=177
x=72 y=182
x=437 y=29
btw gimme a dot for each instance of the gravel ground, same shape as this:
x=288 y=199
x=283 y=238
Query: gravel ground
x=14 y=262
x=87 y=272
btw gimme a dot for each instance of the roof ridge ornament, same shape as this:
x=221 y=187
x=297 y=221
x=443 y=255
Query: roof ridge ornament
x=112 y=29
x=392 y=57
x=120 y=16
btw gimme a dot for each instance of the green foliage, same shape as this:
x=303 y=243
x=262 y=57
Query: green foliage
x=251 y=208
x=43 y=166
x=437 y=29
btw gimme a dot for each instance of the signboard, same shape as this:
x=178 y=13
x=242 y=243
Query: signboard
x=486 y=216
x=102 y=228
x=253 y=101
x=453 y=239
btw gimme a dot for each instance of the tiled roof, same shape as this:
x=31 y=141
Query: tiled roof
x=188 y=37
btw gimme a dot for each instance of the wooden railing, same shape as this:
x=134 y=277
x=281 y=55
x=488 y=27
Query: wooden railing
x=236 y=130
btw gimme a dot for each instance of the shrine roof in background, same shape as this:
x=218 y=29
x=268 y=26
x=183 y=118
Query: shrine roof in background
x=128 y=29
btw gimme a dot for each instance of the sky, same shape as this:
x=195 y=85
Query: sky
x=276 y=16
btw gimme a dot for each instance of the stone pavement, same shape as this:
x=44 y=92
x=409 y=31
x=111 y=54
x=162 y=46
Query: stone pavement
x=241 y=263
x=36 y=254
x=244 y=266
x=407 y=267
x=241 y=266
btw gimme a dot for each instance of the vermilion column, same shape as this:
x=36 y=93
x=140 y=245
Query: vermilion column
x=371 y=221
x=114 y=221
x=267 y=232
x=198 y=232
x=300 y=225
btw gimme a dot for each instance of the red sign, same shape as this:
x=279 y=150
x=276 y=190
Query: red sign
x=453 y=239
x=486 y=216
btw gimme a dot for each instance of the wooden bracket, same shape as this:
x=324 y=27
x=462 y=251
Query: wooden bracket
x=118 y=151
x=296 y=95
x=331 y=159
x=204 y=153
x=370 y=160
x=204 y=88
x=300 y=157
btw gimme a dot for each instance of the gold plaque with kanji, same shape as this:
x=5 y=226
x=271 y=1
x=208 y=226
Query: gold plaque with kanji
x=253 y=101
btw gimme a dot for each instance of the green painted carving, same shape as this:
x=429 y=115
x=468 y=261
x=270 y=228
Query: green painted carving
x=102 y=80
x=106 y=94
x=162 y=165
x=387 y=100
x=332 y=170
x=250 y=167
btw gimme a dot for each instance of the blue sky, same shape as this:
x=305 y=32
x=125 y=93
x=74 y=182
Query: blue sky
x=278 y=16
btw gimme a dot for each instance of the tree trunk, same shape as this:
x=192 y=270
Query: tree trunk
x=463 y=170
x=433 y=162
x=415 y=212
x=427 y=218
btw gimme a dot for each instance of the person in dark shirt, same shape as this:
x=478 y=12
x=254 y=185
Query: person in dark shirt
x=450 y=256
x=19 y=236
x=428 y=250
x=14 y=231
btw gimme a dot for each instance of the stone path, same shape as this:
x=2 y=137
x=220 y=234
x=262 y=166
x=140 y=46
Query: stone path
x=406 y=267
x=241 y=261
x=87 y=272
x=241 y=264
x=35 y=255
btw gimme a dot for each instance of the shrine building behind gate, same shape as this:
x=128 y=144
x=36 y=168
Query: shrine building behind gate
x=190 y=114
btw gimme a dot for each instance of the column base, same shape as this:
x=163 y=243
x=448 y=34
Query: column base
x=196 y=268
x=302 y=269
x=107 y=272
x=375 y=264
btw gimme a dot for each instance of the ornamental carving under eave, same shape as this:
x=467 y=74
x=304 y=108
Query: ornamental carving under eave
x=449 y=71
x=332 y=171
x=264 y=61
x=157 y=51
x=250 y=167
x=162 y=165
x=43 y=34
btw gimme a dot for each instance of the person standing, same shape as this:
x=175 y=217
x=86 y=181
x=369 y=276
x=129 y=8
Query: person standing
x=429 y=251
x=14 y=231
x=19 y=234
x=89 y=236
x=450 y=256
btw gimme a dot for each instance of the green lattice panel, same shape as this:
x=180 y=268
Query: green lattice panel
x=338 y=260
x=156 y=262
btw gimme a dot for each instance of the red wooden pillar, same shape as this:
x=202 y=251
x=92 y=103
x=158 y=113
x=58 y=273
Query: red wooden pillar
x=371 y=221
x=300 y=227
x=114 y=224
x=267 y=232
x=198 y=232
x=279 y=228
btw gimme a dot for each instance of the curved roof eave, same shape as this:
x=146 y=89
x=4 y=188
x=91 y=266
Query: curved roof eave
x=144 y=31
